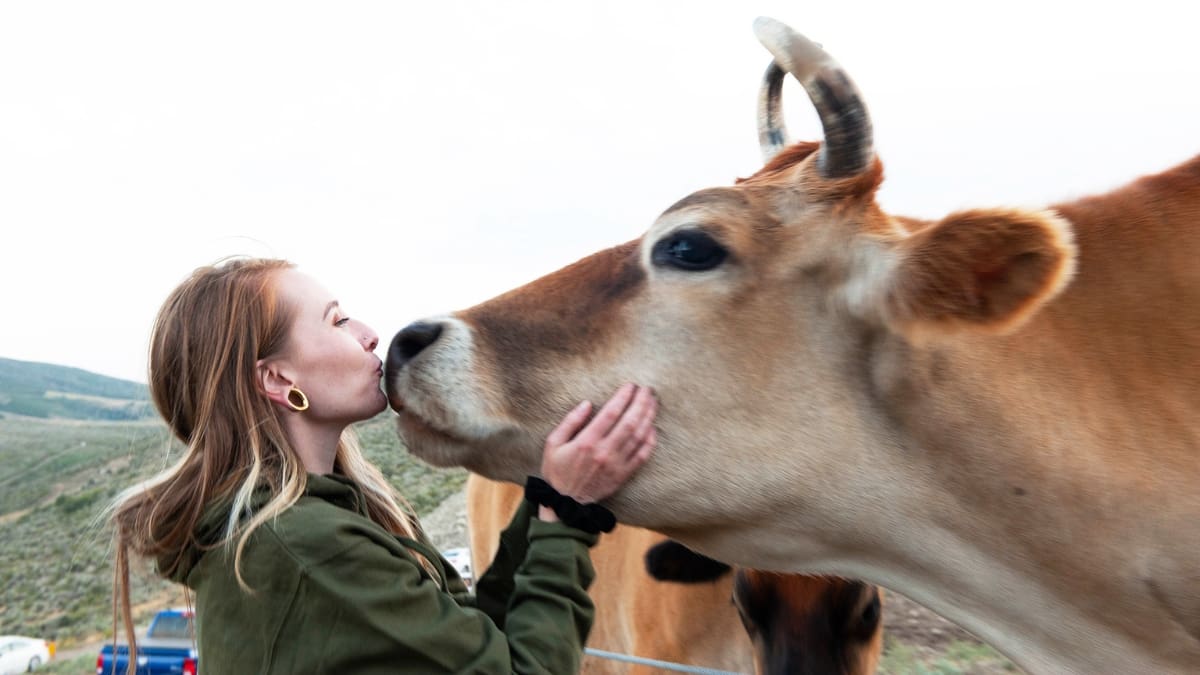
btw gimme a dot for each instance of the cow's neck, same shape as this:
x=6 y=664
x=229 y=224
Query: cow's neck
x=1086 y=420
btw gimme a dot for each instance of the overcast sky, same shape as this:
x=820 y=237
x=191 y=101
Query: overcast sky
x=418 y=158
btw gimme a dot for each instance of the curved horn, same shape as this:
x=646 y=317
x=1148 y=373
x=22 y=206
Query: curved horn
x=772 y=131
x=848 y=147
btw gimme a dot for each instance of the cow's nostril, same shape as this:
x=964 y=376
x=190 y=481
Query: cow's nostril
x=410 y=341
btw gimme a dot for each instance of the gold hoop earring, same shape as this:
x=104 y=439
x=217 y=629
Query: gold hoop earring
x=296 y=399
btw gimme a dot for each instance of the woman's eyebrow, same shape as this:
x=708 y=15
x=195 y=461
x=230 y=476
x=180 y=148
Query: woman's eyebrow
x=331 y=305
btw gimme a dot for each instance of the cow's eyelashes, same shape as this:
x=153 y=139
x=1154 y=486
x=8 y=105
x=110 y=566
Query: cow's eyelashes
x=690 y=250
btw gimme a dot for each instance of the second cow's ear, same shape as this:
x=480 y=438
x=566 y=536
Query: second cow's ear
x=672 y=561
x=987 y=269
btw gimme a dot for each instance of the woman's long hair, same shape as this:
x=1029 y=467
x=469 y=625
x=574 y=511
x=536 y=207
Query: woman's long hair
x=206 y=343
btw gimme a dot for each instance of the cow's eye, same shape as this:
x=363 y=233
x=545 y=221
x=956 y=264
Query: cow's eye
x=690 y=250
x=870 y=613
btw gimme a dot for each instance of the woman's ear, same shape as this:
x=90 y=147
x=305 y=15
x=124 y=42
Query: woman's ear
x=272 y=382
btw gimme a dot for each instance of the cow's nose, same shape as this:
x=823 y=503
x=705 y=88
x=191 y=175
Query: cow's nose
x=409 y=342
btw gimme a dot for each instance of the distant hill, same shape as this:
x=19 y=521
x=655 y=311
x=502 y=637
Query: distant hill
x=51 y=391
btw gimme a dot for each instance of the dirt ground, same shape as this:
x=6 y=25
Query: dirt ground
x=919 y=640
x=908 y=621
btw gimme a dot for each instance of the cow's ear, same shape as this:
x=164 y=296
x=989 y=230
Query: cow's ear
x=982 y=269
x=672 y=561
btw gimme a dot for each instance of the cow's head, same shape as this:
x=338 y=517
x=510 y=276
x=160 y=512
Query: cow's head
x=750 y=309
x=798 y=623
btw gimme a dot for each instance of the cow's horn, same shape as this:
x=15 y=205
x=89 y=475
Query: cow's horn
x=772 y=131
x=848 y=147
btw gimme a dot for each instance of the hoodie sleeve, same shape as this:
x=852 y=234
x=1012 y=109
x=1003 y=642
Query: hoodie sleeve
x=495 y=586
x=373 y=609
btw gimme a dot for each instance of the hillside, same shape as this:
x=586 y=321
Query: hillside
x=45 y=390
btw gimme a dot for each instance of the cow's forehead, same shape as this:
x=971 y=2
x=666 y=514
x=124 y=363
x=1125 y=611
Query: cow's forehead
x=722 y=210
x=718 y=198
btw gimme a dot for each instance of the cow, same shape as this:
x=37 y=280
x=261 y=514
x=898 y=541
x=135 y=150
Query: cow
x=995 y=413
x=798 y=623
x=659 y=600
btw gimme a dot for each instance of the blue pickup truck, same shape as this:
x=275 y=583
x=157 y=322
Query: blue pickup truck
x=168 y=648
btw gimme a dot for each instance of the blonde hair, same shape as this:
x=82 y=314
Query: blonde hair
x=207 y=340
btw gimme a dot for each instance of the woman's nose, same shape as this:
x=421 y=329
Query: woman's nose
x=370 y=341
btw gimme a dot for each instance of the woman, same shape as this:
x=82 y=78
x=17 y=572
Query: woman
x=299 y=553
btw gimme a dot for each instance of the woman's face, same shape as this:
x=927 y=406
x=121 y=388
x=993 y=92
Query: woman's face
x=329 y=356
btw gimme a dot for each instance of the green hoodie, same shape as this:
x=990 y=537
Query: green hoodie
x=333 y=592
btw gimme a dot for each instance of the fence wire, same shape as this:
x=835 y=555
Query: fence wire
x=665 y=665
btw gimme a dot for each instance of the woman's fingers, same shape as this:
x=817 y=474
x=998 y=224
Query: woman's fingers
x=569 y=426
x=644 y=450
x=639 y=425
x=590 y=460
x=645 y=427
x=636 y=423
x=604 y=420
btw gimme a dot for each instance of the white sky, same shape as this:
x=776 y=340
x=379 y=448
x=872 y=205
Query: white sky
x=422 y=157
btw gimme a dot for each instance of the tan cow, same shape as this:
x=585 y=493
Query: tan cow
x=701 y=614
x=996 y=414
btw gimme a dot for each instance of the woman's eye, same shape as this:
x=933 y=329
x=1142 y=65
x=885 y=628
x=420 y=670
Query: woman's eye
x=690 y=250
x=342 y=321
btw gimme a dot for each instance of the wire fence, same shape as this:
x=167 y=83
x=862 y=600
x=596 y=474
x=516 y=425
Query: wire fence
x=664 y=665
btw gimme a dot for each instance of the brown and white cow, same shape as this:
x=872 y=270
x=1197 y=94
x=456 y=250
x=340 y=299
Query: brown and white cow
x=693 y=610
x=996 y=414
x=799 y=623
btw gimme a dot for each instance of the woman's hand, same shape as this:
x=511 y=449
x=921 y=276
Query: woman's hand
x=591 y=463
